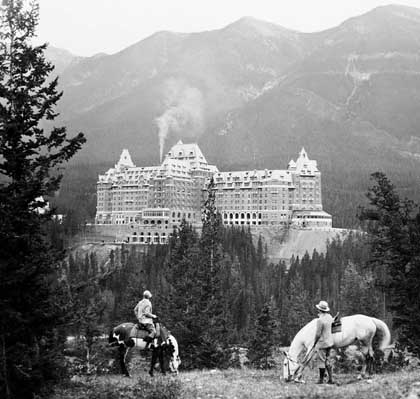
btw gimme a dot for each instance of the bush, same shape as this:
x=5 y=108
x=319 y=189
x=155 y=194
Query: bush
x=350 y=359
x=398 y=359
x=102 y=358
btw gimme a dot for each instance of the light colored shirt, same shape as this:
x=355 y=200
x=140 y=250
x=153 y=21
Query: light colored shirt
x=143 y=311
x=323 y=331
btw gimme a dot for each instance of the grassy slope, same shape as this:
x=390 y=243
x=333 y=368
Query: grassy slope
x=244 y=384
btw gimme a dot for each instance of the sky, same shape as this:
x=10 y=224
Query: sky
x=88 y=27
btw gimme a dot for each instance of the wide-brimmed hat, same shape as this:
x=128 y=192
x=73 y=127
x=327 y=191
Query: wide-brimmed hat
x=323 y=306
x=147 y=294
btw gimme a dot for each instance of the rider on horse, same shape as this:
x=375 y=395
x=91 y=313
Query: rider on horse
x=143 y=312
x=324 y=341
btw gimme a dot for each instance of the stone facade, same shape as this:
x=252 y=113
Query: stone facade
x=144 y=204
x=290 y=197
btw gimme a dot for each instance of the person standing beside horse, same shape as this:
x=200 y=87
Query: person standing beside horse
x=324 y=341
x=145 y=317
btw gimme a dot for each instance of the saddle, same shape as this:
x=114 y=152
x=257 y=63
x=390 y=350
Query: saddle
x=138 y=331
x=336 y=324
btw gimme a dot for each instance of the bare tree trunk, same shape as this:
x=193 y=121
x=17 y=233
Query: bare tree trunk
x=4 y=361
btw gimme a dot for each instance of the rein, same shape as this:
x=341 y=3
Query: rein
x=301 y=365
x=289 y=375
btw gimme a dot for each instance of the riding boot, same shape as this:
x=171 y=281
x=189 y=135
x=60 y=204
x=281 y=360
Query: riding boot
x=321 y=376
x=329 y=372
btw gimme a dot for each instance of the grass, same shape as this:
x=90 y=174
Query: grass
x=244 y=384
x=238 y=384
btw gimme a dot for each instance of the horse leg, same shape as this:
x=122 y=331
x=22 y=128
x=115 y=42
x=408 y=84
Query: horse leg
x=123 y=351
x=369 y=364
x=161 y=362
x=364 y=349
x=370 y=360
x=153 y=362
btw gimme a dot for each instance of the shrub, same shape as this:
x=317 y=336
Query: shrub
x=102 y=359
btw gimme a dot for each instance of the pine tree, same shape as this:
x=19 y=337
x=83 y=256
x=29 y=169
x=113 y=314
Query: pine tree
x=29 y=158
x=87 y=311
x=211 y=270
x=265 y=338
x=358 y=293
x=180 y=310
x=394 y=231
x=197 y=307
x=297 y=309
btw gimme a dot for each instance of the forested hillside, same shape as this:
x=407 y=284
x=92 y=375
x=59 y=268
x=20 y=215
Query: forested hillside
x=218 y=290
x=246 y=286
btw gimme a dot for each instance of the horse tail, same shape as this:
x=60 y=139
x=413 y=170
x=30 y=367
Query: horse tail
x=386 y=334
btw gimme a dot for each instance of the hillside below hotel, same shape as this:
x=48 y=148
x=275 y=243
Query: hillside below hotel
x=143 y=205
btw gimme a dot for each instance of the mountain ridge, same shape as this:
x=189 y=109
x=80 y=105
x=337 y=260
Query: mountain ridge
x=253 y=93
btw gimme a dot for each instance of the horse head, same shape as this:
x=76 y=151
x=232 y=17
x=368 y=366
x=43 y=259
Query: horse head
x=171 y=354
x=290 y=367
x=112 y=339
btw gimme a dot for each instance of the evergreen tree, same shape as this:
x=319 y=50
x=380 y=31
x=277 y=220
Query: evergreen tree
x=297 y=309
x=265 y=338
x=393 y=226
x=358 y=293
x=88 y=308
x=29 y=158
x=181 y=310
x=211 y=268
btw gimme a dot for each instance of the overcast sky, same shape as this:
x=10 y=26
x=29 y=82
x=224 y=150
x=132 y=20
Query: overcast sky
x=87 y=27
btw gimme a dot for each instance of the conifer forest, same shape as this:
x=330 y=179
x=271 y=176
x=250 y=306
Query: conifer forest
x=215 y=288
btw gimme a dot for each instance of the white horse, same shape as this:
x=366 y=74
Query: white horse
x=357 y=328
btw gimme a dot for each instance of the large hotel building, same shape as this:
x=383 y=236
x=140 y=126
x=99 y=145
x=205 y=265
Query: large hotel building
x=143 y=204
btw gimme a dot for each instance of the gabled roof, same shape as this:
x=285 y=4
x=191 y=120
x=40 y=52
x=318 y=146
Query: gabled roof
x=125 y=160
x=186 y=152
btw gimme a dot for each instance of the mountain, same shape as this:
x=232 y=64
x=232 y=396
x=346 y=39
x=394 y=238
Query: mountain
x=358 y=88
x=60 y=58
x=253 y=93
x=186 y=79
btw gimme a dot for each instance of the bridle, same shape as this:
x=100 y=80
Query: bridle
x=301 y=365
x=289 y=359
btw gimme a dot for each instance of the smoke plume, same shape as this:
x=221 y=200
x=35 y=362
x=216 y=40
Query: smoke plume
x=184 y=111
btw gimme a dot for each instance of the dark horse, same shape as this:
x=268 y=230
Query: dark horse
x=166 y=349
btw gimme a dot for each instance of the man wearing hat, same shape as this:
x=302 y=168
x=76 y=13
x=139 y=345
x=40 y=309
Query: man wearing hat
x=324 y=340
x=143 y=312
